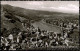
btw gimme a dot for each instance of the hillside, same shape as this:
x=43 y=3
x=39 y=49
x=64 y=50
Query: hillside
x=11 y=16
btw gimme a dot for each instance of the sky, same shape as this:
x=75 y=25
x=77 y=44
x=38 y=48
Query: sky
x=59 y=6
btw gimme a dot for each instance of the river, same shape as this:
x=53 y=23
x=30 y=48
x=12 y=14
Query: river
x=45 y=26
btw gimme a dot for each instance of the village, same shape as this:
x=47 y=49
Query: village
x=33 y=37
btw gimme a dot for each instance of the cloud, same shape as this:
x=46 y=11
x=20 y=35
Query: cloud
x=73 y=6
x=70 y=8
x=35 y=3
